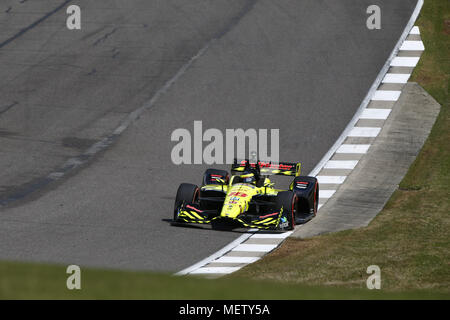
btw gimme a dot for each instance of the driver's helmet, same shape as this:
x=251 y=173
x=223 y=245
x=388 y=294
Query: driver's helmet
x=248 y=178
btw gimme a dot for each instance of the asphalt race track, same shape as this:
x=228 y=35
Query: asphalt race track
x=301 y=66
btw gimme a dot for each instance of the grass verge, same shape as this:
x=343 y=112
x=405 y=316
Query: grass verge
x=409 y=239
x=36 y=281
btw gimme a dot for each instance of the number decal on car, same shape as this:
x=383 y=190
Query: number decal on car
x=238 y=194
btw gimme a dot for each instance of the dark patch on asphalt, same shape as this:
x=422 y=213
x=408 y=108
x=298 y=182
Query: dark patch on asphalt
x=235 y=20
x=115 y=52
x=6 y=108
x=77 y=143
x=105 y=36
x=90 y=34
x=6 y=133
x=34 y=24
x=93 y=71
x=13 y=196
x=10 y=194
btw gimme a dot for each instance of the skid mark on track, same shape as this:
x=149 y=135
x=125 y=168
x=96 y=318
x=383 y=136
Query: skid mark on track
x=6 y=108
x=34 y=24
x=105 y=36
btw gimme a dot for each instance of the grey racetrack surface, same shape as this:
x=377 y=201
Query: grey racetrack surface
x=300 y=66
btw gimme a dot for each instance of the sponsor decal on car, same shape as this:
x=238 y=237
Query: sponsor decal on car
x=301 y=185
x=284 y=223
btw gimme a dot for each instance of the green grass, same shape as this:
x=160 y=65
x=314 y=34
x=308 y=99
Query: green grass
x=35 y=281
x=433 y=69
x=409 y=240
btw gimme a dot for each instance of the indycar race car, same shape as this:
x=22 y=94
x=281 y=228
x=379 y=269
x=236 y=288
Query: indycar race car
x=248 y=198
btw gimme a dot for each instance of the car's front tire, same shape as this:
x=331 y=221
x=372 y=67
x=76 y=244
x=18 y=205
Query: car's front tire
x=187 y=192
x=288 y=201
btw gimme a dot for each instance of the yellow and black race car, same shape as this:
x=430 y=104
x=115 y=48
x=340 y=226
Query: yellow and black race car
x=248 y=198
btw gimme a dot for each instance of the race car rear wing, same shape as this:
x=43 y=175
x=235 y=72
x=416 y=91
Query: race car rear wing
x=268 y=168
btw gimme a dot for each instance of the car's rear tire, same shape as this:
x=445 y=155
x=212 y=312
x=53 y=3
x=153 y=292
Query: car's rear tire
x=186 y=193
x=307 y=190
x=316 y=199
x=288 y=201
x=208 y=175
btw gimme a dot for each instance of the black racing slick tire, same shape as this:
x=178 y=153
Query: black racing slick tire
x=307 y=190
x=288 y=201
x=316 y=198
x=186 y=193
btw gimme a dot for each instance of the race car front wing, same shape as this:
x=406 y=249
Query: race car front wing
x=190 y=213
